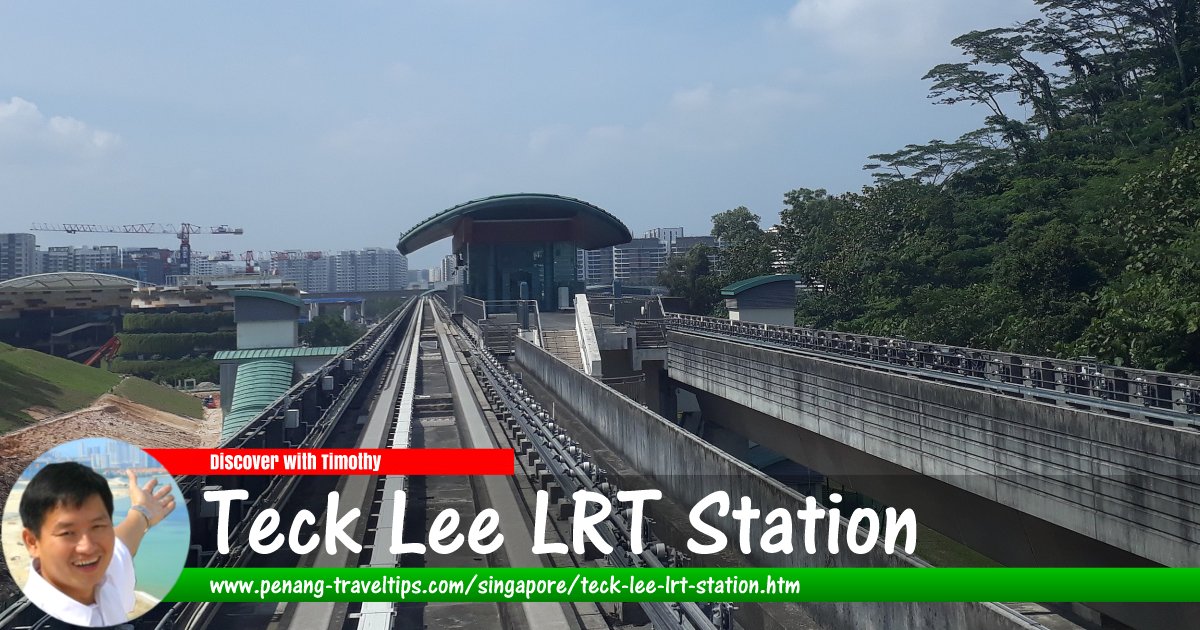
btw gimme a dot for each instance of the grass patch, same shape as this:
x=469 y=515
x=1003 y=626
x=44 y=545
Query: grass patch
x=159 y=397
x=941 y=551
x=33 y=379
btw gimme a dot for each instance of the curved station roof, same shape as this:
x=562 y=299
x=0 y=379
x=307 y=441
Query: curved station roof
x=588 y=226
x=758 y=281
x=68 y=280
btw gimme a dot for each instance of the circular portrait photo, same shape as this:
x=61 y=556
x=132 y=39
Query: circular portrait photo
x=95 y=532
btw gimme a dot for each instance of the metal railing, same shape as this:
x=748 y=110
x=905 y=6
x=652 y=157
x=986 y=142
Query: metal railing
x=1125 y=390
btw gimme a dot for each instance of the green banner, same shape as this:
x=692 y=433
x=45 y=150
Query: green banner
x=699 y=585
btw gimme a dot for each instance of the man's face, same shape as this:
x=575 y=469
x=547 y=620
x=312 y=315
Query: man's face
x=74 y=547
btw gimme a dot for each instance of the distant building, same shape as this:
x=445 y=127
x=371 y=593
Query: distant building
x=596 y=266
x=450 y=269
x=87 y=259
x=311 y=271
x=638 y=262
x=153 y=264
x=684 y=244
x=18 y=256
x=667 y=236
x=371 y=269
x=781 y=261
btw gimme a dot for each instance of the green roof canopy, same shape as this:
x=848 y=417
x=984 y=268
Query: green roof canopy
x=257 y=385
x=749 y=283
x=278 y=353
x=592 y=227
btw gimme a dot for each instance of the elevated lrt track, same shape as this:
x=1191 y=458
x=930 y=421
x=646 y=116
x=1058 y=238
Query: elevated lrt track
x=1158 y=397
x=414 y=381
x=321 y=411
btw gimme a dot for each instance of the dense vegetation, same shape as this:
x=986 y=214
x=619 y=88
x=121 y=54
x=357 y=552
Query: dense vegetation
x=175 y=345
x=177 y=322
x=170 y=371
x=329 y=330
x=1072 y=230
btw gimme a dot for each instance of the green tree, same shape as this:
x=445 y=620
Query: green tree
x=1150 y=315
x=745 y=252
x=329 y=330
x=691 y=277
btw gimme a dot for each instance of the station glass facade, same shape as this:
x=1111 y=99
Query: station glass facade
x=495 y=271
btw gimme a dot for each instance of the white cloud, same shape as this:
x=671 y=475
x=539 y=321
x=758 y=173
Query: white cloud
x=547 y=137
x=373 y=136
x=881 y=30
x=695 y=98
x=400 y=72
x=701 y=119
x=25 y=133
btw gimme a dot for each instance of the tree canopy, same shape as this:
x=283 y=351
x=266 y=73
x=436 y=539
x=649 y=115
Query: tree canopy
x=1067 y=224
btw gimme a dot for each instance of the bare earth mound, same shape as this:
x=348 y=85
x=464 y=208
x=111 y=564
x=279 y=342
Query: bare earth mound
x=111 y=417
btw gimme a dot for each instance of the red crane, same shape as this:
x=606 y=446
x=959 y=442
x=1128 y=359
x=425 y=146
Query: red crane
x=183 y=233
x=107 y=351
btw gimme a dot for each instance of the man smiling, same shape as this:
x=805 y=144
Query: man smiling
x=82 y=564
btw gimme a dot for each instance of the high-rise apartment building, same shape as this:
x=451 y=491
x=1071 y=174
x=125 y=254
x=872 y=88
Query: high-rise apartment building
x=450 y=269
x=371 y=269
x=18 y=256
x=82 y=259
x=666 y=235
x=684 y=244
x=638 y=262
x=595 y=267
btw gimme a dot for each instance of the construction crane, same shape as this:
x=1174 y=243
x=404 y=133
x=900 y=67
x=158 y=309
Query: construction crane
x=108 y=351
x=183 y=233
x=248 y=258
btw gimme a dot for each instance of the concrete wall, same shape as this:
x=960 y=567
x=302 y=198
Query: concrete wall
x=1129 y=484
x=270 y=334
x=686 y=469
x=778 y=316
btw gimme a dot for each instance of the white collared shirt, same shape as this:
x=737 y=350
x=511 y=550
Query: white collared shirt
x=114 y=596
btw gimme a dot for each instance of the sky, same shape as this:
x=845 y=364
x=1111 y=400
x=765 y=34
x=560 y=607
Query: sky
x=341 y=125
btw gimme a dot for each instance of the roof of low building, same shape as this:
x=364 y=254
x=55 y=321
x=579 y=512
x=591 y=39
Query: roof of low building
x=757 y=281
x=595 y=228
x=62 y=280
x=268 y=295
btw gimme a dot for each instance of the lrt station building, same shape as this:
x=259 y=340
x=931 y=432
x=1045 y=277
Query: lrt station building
x=506 y=240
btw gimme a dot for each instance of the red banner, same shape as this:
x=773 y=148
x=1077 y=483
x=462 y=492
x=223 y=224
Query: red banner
x=336 y=461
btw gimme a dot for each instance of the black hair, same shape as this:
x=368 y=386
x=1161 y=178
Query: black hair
x=67 y=484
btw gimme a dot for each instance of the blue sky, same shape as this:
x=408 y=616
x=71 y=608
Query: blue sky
x=334 y=126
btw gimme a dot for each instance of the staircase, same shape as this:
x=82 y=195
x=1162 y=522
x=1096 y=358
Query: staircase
x=564 y=345
x=650 y=333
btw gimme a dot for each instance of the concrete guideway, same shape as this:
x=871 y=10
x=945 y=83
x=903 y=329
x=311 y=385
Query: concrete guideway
x=1132 y=485
x=518 y=544
x=674 y=459
x=1025 y=482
